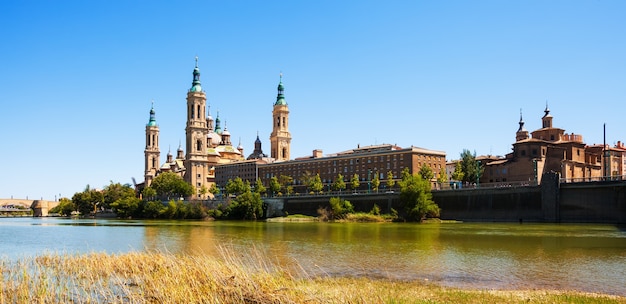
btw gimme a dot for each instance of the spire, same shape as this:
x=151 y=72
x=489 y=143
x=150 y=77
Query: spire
x=218 y=129
x=240 y=146
x=179 y=154
x=280 y=98
x=195 y=85
x=152 y=121
x=521 y=122
x=547 y=111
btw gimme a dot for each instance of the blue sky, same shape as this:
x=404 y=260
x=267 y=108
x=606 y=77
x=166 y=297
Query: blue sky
x=77 y=77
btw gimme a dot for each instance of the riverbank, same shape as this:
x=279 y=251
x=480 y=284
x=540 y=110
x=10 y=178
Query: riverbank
x=231 y=277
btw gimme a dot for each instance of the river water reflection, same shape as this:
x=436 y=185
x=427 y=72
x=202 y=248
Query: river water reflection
x=468 y=255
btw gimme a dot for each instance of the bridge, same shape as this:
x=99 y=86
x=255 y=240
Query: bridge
x=12 y=206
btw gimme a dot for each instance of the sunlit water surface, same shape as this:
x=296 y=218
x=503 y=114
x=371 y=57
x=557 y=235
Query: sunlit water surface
x=468 y=255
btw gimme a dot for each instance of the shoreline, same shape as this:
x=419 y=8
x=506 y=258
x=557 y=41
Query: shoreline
x=233 y=277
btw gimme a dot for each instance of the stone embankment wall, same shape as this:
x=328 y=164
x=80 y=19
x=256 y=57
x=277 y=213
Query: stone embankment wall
x=553 y=202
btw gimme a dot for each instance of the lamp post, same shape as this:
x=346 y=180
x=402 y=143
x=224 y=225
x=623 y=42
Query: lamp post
x=369 y=181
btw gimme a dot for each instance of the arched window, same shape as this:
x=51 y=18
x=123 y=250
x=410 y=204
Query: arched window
x=198 y=112
x=193 y=114
x=153 y=162
x=199 y=145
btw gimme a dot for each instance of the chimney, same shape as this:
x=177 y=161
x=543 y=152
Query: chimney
x=317 y=153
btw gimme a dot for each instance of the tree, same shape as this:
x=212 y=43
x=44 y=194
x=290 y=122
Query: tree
x=235 y=186
x=443 y=176
x=87 y=201
x=64 y=208
x=340 y=207
x=214 y=190
x=390 y=181
x=153 y=209
x=472 y=170
x=416 y=197
x=426 y=172
x=259 y=187
x=203 y=191
x=274 y=185
x=246 y=206
x=285 y=183
x=354 y=182
x=376 y=182
x=339 y=184
x=315 y=184
x=458 y=174
x=148 y=194
x=126 y=207
x=170 y=185
x=116 y=191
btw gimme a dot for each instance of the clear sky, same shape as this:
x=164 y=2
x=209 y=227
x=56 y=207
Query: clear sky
x=77 y=78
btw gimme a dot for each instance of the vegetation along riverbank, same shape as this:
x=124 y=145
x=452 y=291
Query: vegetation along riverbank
x=232 y=277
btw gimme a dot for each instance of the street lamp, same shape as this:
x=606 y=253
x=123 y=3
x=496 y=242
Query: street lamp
x=369 y=180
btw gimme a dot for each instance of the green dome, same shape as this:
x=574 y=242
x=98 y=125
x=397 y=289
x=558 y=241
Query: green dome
x=152 y=121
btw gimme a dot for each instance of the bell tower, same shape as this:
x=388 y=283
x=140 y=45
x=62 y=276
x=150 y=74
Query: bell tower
x=152 y=153
x=280 y=139
x=196 y=131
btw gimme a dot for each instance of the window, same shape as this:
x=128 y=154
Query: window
x=523 y=152
x=534 y=152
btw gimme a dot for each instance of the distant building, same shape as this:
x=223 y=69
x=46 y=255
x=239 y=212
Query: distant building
x=367 y=162
x=211 y=159
x=548 y=149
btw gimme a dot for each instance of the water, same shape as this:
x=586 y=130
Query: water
x=588 y=258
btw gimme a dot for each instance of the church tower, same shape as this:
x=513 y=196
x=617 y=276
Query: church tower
x=152 y=153
x=280 y=139
x=196 y=131
x=521 y=134
x=546 y=120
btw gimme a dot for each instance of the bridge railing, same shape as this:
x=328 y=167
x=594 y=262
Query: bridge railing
x=593 y=179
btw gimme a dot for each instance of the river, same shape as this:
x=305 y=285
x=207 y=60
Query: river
x=583 y=257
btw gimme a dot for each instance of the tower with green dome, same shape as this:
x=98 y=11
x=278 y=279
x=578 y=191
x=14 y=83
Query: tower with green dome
x=151 y=152
x=196 y=161
x=280 y=139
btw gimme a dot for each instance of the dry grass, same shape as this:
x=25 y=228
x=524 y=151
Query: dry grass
x=232 y=277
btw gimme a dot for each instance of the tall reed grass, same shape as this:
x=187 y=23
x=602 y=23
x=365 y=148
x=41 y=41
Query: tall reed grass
x=231 y=277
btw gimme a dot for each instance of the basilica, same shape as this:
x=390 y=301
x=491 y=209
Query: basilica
x=208 y=145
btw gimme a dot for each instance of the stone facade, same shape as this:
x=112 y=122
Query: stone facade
x=545 y=150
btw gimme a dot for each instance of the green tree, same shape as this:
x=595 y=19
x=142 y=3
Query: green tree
x=153 y=209
x=236 y=186
x=274 y=185
x=458 y=174
x=170 y=185
x=259 y=187
x=116 y=191
x=390 y=181
x=443 y=176
x=426 y=172
x=416 y=197
x=148 y=194
x=214 y=190
x=315 y=184
x=376 y=182
x=355 y=182
x=472 y=170
x=87 y=201
x=203 y=191
x=339 y=184
x=64 y=208
x=126 y=207
x=285 y=182
x=246 y=206
x=340 y=207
